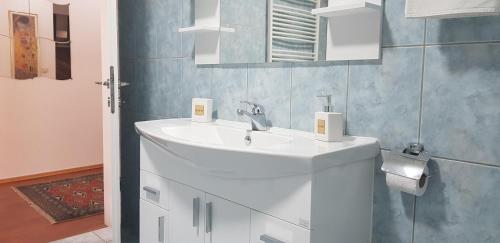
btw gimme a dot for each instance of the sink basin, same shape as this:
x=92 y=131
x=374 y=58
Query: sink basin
x=219 y=148
x=224 y=136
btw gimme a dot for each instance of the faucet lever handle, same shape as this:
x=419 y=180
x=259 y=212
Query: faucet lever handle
x=256 y=108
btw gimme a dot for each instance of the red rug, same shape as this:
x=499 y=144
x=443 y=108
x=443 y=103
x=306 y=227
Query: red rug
x=68 y=199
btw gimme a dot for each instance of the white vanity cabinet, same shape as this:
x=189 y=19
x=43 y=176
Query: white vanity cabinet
x=295 y=190
x=197 y=217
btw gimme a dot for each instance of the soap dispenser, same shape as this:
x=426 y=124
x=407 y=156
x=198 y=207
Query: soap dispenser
x=328 y=125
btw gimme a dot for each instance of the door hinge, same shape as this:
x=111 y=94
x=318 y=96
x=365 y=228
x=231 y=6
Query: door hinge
x=121 y=183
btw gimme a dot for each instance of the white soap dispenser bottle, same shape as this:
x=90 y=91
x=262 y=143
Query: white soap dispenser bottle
x=328 y=125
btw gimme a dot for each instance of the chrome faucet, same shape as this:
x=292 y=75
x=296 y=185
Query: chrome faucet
x=256 y=115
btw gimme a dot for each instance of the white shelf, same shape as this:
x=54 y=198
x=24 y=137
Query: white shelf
x=343 y=8
x=205 y=29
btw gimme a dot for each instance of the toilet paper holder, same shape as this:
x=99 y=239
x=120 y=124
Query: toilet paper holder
x=409 y=162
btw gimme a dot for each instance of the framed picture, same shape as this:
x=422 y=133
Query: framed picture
x=24 y=45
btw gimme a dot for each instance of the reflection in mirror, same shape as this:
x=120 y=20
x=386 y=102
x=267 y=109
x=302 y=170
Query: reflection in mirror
x=293 y=32
x=266 y=31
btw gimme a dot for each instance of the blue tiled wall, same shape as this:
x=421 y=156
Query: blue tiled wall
x=438 y=83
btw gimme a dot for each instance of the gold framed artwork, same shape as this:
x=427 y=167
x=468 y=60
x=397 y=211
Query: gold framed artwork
x=24 y=45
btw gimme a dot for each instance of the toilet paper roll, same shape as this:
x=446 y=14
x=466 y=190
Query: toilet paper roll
x=408 y=185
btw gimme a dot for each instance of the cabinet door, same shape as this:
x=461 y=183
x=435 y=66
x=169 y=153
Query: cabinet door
x=153 y=223
x=186 y=214
x=226 y=222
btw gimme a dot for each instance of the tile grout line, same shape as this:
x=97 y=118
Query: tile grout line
x=246 y=89
x=347 y=95
x=94 y=232
x=422 y=79
x=419 y=130
x=444 y=44
x=470 y=163
x=291 y=95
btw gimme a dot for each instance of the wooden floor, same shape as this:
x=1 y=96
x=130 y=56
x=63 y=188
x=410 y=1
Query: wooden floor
x=20 y=223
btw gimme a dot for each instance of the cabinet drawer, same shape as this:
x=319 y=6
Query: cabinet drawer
x=154 y=189
x=266 y=229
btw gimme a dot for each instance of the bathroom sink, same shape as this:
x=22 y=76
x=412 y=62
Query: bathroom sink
x=219 y=148
x=229 y=137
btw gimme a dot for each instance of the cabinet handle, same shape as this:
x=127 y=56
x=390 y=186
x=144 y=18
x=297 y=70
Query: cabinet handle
x=208 y=217
x=161 y=229
x=151 y=190
x=268 y=239
x=196 y=212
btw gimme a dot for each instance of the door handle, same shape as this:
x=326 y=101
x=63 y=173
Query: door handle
x=208 y=217
x=105 y=83
x=124 y=84
x=196 y=212
x=268 y=239
x=161 y=229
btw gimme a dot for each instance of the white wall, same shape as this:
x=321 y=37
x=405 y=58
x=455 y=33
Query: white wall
x=46 y=124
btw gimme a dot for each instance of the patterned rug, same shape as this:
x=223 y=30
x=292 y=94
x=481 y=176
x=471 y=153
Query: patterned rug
x=68 y=199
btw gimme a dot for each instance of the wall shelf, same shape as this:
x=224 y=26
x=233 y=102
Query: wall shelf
x=348 y=8
x=206 y=29
x=354 y=29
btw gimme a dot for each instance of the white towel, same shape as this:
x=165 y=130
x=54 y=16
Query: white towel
x=451 y=8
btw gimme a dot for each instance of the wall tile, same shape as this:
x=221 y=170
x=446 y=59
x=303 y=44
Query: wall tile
x=126 y=28
x=460 y=205
x=167 y=89
x=243 y=12
x=146 y=73
x=144 y=27
x=129 y=155
x=269 y=85
x=158 y=85
x=461 y=98
x=229 y=87
x=187 y=20
x=397 y=29
x=246 y=45
x=463 y=30
x=392 y=211
x=128 y=93
x=310 y=80
x=384 y=97
x=196 y=83
x=168 y=19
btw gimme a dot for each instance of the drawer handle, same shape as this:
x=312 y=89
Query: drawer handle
x=208 y=216
x=268 y=239
x=196 y=212
x=151 y=190
x=161 y=229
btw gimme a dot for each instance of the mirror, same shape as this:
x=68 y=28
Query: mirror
x=270 y=31
x=259 y=31
x=37 y=36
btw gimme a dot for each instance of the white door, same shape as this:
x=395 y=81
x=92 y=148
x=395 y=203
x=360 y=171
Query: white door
x=186 y=214
x=227 y=222
x=153 y=223
x=111 y=115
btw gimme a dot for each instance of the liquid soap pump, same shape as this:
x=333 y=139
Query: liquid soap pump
x=328 y=125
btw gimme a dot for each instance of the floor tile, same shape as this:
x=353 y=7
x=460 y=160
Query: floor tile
x=105 y=234
x=83 y=238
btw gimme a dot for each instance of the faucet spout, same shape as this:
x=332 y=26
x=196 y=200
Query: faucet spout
x=257 y=116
